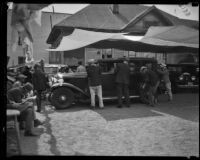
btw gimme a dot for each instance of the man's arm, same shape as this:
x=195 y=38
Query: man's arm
x=14 y=96
x=160 y=71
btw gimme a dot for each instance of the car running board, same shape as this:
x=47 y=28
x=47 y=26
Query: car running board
x=112 y=98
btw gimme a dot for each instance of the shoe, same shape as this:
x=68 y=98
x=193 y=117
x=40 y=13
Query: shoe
x=37 y=123
x=101 y=107
x=119 y=106
x=152 y=105
x=31 y=134
x=92 y=107
x=21 y=126
x=38 y=110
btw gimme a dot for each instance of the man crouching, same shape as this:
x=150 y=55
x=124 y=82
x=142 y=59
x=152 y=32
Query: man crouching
x=16 y=100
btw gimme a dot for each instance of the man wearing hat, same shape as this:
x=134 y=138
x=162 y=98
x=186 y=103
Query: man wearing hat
x=19 y=80
x=163 y=71
x=16 y=100
x=122 y=79
x=94 y=82
x=152 y=81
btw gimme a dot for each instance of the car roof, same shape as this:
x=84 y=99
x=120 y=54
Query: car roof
x=129 y=59
x=183 y=64
x=54 y=65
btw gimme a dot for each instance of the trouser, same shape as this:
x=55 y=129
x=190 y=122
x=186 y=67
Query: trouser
x=28 y=116
x=169 y=90
x=152 y=95
x=39 y=99
x=143 y=93
x=96 y=90
x=122 y=89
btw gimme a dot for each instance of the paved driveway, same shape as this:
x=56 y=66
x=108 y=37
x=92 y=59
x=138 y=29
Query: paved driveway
x=169 y=129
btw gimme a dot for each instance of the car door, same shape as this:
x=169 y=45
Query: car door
x=135 y=77
x=108 y=79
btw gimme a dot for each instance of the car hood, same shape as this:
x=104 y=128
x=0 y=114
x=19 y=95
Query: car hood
x=72 y=75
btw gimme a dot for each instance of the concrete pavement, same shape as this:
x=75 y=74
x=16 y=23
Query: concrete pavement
x=169 y=129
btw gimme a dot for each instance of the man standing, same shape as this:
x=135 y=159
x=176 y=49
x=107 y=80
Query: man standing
x=39 y=83
x=80 y=67
x=94 y=81
x=165 y=77
x=28 y=74
x=152 y=80
x=16 y=100
x=122 y=72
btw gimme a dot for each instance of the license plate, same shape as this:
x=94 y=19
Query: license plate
x=190 y=83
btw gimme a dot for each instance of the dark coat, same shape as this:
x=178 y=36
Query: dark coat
x=29 y=76
x=15 y=94
x=39 y=81
x=122 y=72
x=151 y=77
x=94 y=75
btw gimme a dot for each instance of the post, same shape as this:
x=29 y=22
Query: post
x=51 y=21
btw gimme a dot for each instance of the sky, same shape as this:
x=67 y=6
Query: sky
x=171 y=9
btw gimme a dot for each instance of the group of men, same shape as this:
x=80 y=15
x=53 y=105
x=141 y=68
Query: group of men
x=23 y=95
x=151 y=80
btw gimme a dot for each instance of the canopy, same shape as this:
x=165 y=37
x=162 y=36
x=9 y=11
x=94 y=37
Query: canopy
x=81 y=38
x=157 y=39
x=172 y=36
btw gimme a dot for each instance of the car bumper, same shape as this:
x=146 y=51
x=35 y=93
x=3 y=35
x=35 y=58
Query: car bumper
x=188 y=86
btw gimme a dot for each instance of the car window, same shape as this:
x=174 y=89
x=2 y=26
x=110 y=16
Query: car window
x=50 y=69
x=107 y=67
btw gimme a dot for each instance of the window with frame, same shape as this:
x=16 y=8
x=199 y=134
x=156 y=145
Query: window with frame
x=21 y=60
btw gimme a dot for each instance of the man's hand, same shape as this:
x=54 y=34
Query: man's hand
x=29 y=99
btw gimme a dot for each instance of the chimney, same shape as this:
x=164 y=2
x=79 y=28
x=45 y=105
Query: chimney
x=115 y=9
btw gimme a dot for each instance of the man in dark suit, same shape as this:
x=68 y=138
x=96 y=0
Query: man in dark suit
x=16 y=100
x=122 y=72
x=39 y=83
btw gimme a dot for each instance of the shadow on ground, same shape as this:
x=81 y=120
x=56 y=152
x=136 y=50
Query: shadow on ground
x=184 y=105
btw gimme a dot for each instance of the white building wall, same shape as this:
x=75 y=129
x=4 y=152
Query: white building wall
x=40 y=35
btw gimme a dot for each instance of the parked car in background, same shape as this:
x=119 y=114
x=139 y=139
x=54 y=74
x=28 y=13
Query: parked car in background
x=51 y=70
x=184 y=76
x=73 y=87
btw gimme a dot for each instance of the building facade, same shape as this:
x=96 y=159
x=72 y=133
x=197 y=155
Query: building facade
x=134 y=19
x=40 y=34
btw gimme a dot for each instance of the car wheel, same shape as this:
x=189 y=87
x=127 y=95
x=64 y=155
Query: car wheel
x=62 y=98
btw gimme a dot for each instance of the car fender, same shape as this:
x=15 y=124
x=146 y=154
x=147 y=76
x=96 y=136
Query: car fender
x=68 y=85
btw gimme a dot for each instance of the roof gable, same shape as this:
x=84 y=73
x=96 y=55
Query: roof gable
x=100 y=16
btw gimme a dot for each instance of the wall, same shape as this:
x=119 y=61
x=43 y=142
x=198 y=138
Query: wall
x=40 y=35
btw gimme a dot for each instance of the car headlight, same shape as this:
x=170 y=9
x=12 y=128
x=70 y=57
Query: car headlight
x=193 y=78
x=181 y=78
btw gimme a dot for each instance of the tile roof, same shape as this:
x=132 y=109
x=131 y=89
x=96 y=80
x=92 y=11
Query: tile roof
x=100 y=16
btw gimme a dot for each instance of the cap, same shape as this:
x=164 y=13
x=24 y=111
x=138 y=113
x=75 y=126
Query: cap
x=21 y=76
x=28 y=86
x=142 y=68
x=37 y=65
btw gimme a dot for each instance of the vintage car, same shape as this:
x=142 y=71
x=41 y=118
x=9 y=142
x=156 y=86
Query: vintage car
x=184 y=76
x=73 y=87
x=51 y=70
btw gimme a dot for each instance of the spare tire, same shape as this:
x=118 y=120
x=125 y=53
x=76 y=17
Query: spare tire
x=62 y=98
